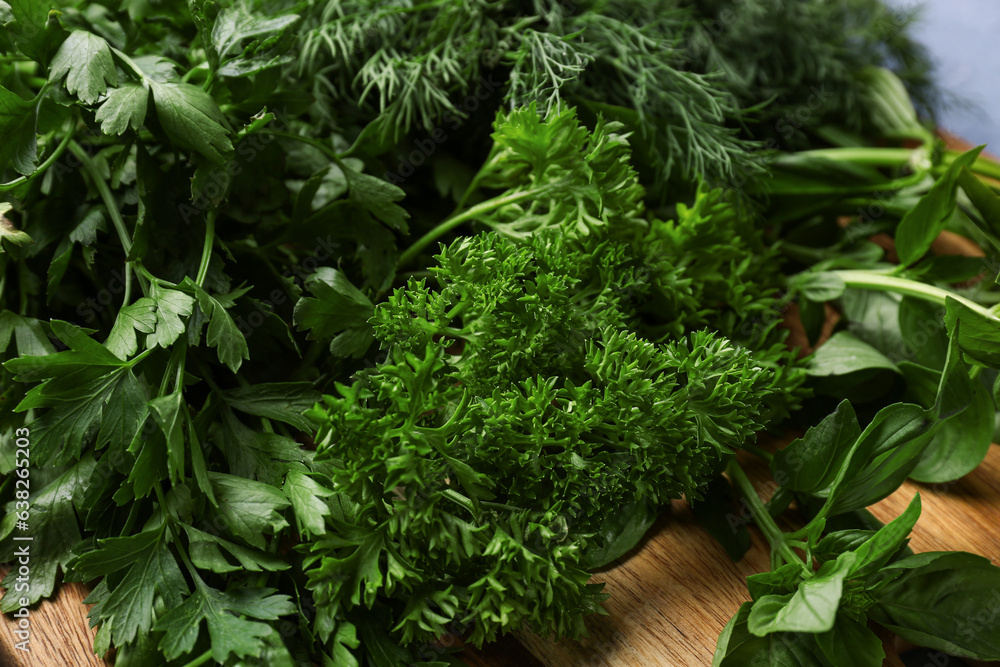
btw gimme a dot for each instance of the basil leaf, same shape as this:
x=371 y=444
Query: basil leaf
x=885 y=454
x=966 y=412
x=846 y=353
x=877 y=550
x=851 y=643
x=812 y=608
x=818 y=287
x=949 y=601
x=619 y=533
x=811 y=463
x=738 y=647
x=985 y=201
x=783 y=581
x=922 y=325
x=925 y=221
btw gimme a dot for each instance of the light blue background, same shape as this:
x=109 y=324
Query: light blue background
x=963 y=37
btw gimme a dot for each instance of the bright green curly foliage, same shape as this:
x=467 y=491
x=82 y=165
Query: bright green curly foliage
x=560 y=174
x=515 y=407
x=710 y=267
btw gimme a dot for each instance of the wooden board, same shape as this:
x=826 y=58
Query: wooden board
x=60 y=636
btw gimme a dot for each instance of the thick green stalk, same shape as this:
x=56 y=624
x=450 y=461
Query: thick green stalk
x=886 y=283
x=875 y=157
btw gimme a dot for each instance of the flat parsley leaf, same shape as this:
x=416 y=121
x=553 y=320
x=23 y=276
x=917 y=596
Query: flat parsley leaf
x=171 y=306
x=17 y=132
x=221 y=611
x=148 y=569
x=307 y=498
x=139 y=316
x=247 y=507
x=85 y=60
x=223 y=334
x=125 y=107
x=191 y=118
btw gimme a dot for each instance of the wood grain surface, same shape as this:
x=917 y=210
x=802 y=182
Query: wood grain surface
x=60 y=636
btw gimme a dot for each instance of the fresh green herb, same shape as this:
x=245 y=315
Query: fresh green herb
x=336 y=327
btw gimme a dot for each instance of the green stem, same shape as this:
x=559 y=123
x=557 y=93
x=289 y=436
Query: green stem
x=454 y=221
x=128 y=289
x=113 y=212
x=49 y=161
x=206 y=250
x=139 y=357
x=161 y=499
x=201 y=659
x=761 y=516
x=885 y=283
x=169 y=521
x=876 y=157
x=105 y=192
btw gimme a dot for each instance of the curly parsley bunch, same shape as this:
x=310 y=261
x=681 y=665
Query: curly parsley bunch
x=514 y=408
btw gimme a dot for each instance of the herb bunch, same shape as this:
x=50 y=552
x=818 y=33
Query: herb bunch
x=291 y=403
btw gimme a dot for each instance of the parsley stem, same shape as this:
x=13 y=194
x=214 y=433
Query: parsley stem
x=454 y=221
x=109 y=203
x=775 y=537
x=128 y=288
x=105 y=192
x=886 y=283
x=206 y=250
x=201 y=659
